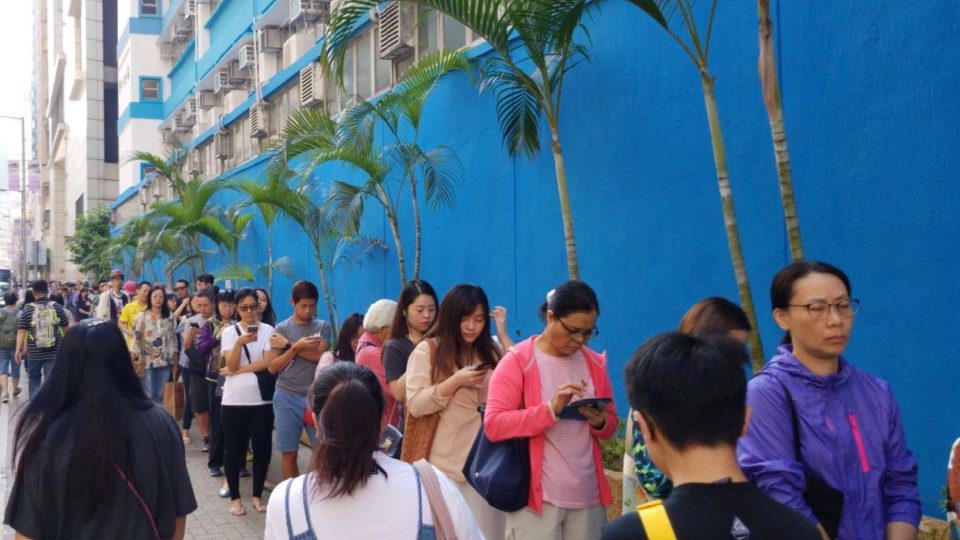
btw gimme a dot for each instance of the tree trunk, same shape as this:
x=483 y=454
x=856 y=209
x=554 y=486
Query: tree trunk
x=569 y=237
x=395 y=229
x=270 y=261
x=774 y=106
x=730 y=217
x=325 y=290
x=418 y=237
x=196 y=245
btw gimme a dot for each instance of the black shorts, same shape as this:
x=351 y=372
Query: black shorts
x=199 y=396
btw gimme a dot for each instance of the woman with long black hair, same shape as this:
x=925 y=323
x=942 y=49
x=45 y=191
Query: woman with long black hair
x=95 y=458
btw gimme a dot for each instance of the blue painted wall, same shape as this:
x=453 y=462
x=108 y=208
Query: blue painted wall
x=870 y=111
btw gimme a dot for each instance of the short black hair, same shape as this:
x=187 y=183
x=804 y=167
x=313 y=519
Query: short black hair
x=209 y=293
x=185 y=282
x=693 y=391
x=142 y=283
x=206 y=278
x=10 y=297
x=304 y=290
x=40 y=286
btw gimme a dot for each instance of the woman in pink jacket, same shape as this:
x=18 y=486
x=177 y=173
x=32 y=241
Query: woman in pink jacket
x=529 y=392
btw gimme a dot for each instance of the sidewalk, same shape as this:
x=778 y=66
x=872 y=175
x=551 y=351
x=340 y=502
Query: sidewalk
x=211 y=520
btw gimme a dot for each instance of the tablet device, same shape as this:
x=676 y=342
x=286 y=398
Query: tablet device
x=570 y=412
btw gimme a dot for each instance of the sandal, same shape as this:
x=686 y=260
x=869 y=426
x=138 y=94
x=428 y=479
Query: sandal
x=237 y=509
x=258 y=505
x=186 y=439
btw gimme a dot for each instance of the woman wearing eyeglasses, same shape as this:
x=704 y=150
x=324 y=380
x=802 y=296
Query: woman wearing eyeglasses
x=531 y=394
x=825 y=437
x=246 y=413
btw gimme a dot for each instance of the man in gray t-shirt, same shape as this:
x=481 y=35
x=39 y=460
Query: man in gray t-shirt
x=295 y=347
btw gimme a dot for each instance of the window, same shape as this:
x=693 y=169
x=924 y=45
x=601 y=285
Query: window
x=364 y=67
x=78 y=206
x=149 y=7
x=454 y=33
x=427 y=31
x=384 y=68
x=150 y=89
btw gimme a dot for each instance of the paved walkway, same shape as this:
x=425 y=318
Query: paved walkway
x=211 y=520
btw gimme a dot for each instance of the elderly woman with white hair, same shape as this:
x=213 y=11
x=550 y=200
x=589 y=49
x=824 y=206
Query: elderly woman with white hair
x=376 y=330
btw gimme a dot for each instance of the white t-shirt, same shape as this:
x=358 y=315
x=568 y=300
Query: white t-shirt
x=243 y=389
x=385 y=508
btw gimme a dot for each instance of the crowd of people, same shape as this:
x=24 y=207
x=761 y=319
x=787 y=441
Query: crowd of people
x=405 y=404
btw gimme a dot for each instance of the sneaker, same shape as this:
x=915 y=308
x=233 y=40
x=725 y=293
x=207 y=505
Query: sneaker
x=244 y=472
x=16 y=392
x=216 y=471
x=5 y=398
x=224 y=493
x=206 y=447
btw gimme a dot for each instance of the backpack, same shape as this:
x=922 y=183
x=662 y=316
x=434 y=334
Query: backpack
x=8 y=329
x=46 y=325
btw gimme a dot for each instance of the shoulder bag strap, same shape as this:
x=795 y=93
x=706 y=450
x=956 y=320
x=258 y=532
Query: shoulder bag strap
x=442 y=522
x=143 y=504
x=236 y=327
x=791 y=406
x=655 y=521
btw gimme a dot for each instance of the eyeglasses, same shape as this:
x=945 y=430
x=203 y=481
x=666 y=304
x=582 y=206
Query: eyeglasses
x=819 y=310
x=574 y=333
x=180 y=288
x=247 y=307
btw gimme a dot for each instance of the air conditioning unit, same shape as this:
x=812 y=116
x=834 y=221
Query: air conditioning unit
x=206 y=99
x=248 y=57
x=192 y=165
x=168 y=50
x=189 y=9
x=309 y=11
x=169 y=137
x=270 y=40
x=181 y=33
x=142 y=195
x=222 y=83
x=221 y=145
x=179 y=125
x=190 y=112
x=258 y=121
x=311 y=86
x=237 y=77
x=398 y=30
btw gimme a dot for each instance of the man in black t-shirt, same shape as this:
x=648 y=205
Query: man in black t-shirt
x=690 y=398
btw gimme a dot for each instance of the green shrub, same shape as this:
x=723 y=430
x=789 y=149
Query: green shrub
x=614 y=447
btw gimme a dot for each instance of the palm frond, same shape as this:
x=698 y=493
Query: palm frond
x=423 y=76
x=233 y=272
x=519 y=105
x=347 y=204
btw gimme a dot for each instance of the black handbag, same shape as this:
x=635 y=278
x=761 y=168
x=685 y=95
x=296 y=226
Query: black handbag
x=825 y=501
x=499 y=471
x=266 y=381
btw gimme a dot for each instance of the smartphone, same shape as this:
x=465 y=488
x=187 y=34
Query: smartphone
x=252 y=329
x=481 y=367
x=194 y=325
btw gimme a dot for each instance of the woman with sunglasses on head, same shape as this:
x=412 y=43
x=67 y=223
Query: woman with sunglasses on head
x=825 y=437
x=448 y=374
x=533 y=395
x=246 y=413
x=95 y=457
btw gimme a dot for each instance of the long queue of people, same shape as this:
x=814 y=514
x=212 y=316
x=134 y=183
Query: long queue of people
x=495 y=439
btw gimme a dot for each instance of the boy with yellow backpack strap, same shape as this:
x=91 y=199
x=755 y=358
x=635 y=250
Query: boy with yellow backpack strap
x=689 y=397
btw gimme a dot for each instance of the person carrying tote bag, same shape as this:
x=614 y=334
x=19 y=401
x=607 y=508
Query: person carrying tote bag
x=450 y=384
x=533 y=394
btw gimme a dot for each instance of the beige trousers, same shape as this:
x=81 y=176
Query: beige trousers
x=492 y=522
x=556 y=524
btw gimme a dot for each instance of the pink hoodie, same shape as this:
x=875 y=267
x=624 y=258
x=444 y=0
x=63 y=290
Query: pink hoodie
x=504 y=419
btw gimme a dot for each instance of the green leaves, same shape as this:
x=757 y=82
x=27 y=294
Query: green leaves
x=89 y=245
x=653 y=10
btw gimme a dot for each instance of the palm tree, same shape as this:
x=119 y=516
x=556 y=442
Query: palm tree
x=439 y=169
x=543 y=31
x=298 y=203
x=774 y=105
x=192 y=218
x=268 y=214
x=666 y=13
x=236 y=223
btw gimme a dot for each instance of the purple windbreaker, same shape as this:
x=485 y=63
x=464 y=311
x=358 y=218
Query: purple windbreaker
x=852 y=438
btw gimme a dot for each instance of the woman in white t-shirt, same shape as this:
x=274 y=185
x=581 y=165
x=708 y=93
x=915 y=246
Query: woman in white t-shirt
x=353 y=491
x=244 y=413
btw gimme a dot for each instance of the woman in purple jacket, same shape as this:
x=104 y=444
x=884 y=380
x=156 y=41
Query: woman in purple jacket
x=825 y=437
